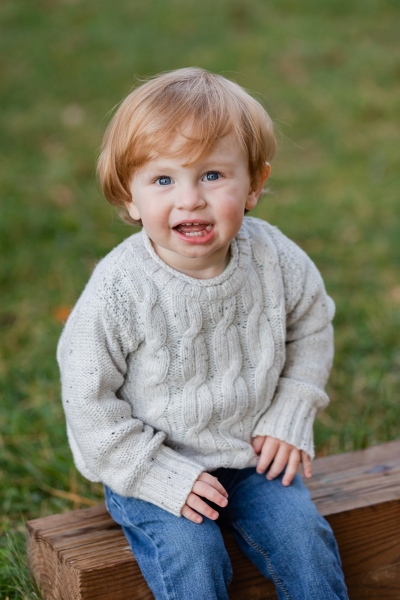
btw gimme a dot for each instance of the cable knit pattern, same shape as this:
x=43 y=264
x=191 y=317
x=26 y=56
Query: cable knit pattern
x=197 y=403
x=260 y=341
x=165 y=376
x=156 y=367
x=228 y=357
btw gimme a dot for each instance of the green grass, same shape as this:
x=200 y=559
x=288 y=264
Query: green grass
x=328 y=72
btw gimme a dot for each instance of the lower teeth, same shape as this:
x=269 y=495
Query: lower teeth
x=198 y=233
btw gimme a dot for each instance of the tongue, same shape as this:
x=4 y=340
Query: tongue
x=192 y=228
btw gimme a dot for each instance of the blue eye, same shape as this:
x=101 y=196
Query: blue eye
x=212 y=176
x=164 y=180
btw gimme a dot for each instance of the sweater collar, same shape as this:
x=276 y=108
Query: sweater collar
x=224 y=285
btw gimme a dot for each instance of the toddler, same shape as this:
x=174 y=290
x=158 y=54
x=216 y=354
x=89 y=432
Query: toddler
x=195 y=360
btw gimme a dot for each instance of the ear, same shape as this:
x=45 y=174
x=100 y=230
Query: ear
x=132 y=210
x=256 y=187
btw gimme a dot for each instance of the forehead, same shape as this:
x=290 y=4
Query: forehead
x=182 y=150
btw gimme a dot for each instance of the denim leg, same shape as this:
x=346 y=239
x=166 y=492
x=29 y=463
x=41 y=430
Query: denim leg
x=180 y=560
x=281 y=531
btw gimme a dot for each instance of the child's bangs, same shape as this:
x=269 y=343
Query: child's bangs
x=198 y=127
x=197 y=140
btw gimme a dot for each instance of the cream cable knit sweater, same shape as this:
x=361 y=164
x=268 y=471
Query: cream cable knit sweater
x=165 y=376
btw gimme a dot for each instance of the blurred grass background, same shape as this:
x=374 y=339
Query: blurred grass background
x=329 y=75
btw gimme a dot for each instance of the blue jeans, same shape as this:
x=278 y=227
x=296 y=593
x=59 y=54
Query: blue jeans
x=277 y=527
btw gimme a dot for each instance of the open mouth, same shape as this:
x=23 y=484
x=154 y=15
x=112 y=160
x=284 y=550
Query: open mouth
x=194 y=229
x=196 y=232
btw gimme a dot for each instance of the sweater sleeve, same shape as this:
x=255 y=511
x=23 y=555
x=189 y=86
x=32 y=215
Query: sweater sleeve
x=108 y=443
x=309 y=353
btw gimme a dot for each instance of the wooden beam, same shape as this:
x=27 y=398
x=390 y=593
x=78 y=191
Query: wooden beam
x=83 y=555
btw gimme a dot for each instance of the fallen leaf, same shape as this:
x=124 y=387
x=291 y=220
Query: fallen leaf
x=61 y=313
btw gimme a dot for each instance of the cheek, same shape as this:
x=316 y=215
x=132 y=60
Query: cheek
x=154 y=216
x=231 y=205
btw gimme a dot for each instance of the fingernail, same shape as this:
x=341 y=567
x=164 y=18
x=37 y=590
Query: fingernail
x=224 y=502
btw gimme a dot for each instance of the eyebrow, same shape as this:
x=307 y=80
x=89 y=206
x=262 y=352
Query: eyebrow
x=208 y=164
x=217 y=163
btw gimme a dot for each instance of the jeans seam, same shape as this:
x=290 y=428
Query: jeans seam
x=130 y=525
x=170 y=593
x=253 y=544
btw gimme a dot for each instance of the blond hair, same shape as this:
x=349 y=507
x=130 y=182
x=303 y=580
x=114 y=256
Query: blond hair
x=200 y=106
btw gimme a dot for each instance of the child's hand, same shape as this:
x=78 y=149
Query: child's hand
x=206 y=486
x=282 y=454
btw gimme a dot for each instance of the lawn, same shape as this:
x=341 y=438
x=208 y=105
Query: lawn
x=329 y=75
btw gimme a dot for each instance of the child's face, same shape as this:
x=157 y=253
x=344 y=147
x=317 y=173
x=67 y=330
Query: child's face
x=191 y=214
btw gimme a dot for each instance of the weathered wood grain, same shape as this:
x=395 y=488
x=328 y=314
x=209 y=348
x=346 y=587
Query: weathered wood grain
x=83 y=555
x=356 y=479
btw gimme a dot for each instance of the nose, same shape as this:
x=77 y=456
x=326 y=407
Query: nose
x=190 y=197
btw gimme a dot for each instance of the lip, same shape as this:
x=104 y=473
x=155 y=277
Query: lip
x=198 y=240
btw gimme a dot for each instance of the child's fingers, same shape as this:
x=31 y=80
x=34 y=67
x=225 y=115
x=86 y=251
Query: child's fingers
x=190 y=514
x=193 y=501
x=280 y=461
x=267 y=455
x=206 y=486
x=213 y=482
x=206 y=490
x=292 y=466
x=258 y=443
x=306 y=462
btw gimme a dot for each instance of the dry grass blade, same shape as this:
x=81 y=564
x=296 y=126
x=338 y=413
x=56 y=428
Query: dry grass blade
x=73 y=497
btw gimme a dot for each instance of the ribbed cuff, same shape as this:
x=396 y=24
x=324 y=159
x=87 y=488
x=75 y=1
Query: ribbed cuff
x=290 y=417
x=169 y=480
